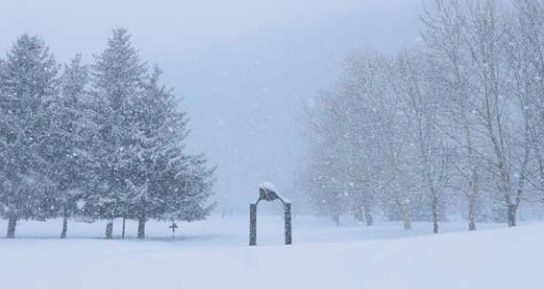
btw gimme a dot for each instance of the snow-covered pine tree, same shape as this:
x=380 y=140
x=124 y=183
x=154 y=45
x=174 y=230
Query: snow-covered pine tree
x=28 y=87
x=165 y=181
x=147 y=150
x=117 y=77
x=67 y=149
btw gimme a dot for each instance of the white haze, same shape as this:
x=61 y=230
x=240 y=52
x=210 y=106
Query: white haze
x=244 y=68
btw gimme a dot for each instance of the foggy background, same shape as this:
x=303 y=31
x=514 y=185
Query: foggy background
x=244 y=68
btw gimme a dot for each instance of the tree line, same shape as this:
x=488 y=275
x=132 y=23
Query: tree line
x=98 y=141
x=453 y=124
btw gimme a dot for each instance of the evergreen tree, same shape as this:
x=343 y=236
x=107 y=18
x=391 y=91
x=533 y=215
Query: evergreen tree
x=68 y=156
x=117 y=78
x=165 y=181
x=148 y=151
x=28 y=86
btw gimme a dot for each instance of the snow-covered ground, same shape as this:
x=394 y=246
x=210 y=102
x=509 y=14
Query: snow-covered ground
x=214 y=254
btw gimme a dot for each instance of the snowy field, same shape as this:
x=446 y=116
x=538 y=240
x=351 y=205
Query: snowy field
x=214 y=254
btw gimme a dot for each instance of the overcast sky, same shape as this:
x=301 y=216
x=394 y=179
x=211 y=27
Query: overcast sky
x=177 y=28
x=243 y=67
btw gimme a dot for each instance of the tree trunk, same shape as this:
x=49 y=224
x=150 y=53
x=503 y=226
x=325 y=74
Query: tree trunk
x=406 y=222
x=471 y=213
x=368 y=216
x=109 y=229
x=435 y=213
x=512 y=215
x=124 y=219
x=336 y=219
x=64 y=227
x=12 y=223
x=359 y=214
x=141 y=228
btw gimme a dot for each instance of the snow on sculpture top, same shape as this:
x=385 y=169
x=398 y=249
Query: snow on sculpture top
x=268 y=186
x=268 y=192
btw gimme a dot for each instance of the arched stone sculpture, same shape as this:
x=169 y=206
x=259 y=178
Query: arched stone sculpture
x=268 y=192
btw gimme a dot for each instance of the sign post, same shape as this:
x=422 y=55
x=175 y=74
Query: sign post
x=174 y=226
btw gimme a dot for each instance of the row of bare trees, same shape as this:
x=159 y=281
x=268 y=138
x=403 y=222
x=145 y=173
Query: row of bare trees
x=454 y=124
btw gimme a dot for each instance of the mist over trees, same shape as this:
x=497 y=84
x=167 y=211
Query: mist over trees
x=99 y=141
x=452 y=125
